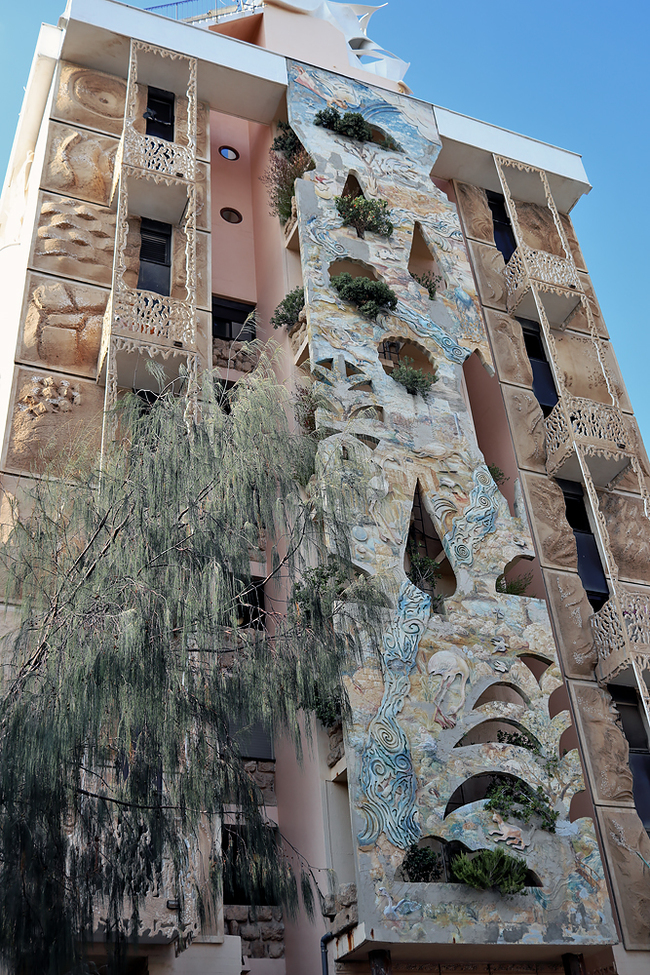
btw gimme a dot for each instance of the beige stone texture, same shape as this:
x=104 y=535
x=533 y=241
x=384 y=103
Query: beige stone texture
x=571 y=611
x=53 y=417
x=178 y=282
x=132 y=253
x=475 y=212
x=574 y=246
x=90 y=98
x=203 y=131
x=203 y=288
x=628 y=480
x=629 y=535
x=527 y=427
x=538 y=230
x=202 y=196
x=605 y=748
x=555 y=540
x=62 y=324
x=578 y=320
x=488 y=266
x=74 y=239
x=509 y=349
x=581 y=369
x=79 y=163
x=624 y=838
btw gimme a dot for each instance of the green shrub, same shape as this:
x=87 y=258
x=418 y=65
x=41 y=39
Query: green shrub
x=389 y=143
x=491 y=868
x=369 y=296
x=415 y=381
x=515 y=798
x=429 y=281
x=287 y=312
x=514 y=587
x=287 y=142
x=362 y=214
x=279 y=178
x=497 y=475
x=422 y=865
x=352 y=124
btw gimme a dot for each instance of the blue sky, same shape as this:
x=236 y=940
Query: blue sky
x=574 y=73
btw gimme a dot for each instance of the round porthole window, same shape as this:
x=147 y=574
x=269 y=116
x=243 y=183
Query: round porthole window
x=228 y=153
x=232 y=216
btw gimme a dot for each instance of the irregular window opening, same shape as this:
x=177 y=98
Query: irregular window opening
x=423 y=266
x=232 y=320
x=501 y=691
x=504 y=237
x=488 y=731
x=516 y=578
x=237 y=867
x=543 y=383
x=590 y=568
x=430 y=861
x=354 y=268
x=250 y=606
x=630 y=710
x=537 y=665
x=394 y=350
x=352 y=187
x=474 y=789
x=558 y=701
x=159 y=114
x=425 y=561
x=155 y=256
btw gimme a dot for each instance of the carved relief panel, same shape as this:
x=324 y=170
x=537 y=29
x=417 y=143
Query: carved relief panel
x=79 y=163
x=74 y=239
x=90 y=98
x=556 y=543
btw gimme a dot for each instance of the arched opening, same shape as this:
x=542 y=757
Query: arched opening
x=536 y=664
x=518 y=577
x=425 y=561
x=352 y=187
x=429 y=862
x=568 y=741
x=355 y=268
x=501 y=691
x=494 y=730
x=558 y=701
x=394 y=349
x=422 y=265
x=581 y=806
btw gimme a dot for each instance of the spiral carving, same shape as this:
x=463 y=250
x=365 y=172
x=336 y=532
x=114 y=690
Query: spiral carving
x=478 y=519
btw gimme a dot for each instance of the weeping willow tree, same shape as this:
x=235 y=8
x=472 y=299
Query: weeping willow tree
x=131 y=666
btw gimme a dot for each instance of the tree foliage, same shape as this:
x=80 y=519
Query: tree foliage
x=369 y=296
x=287 y=312
x=491 y=868
x=129 y=666
x=362 y=214
x=414 y=380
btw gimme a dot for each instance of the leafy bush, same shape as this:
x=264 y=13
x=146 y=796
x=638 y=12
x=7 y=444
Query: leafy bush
x=514 y=587
x=422 y=865
x=491 y=868
x=497 y=475
x=369 y=296
x=392 y=144
x=287 y=142
x=429 y=281
x=362 y=214
x=352 y=124
x=328 y=711
x=515 y=798
x=287 y=312
x=280 y=177
x=415 y=381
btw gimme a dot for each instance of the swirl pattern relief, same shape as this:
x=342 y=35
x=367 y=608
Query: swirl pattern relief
x=387 y=777
x=478 y=519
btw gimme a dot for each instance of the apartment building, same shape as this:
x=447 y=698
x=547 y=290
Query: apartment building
x=506 y=509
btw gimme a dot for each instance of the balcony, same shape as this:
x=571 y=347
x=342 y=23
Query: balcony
x=153 y=317
x=157 y=156
x=556 y=276
x=621 y=632
x=598 y=430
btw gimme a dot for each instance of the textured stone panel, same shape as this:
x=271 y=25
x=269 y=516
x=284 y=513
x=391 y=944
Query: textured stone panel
x=571 y=611
x=203 y=131
x=538 y=228
x=90 y=98
x=629 y=535
x=574 y=246
x=74 y=239
x=605 y=748
x=52 y=416
x=79 y=163
x=627 y=842
x=555 y=540
x=203 y=276
x=488 y=266
x=202 y=196
x=582 y=372
x=527 y=427
x=577 y=320
x=475 y=212
x=509 y=349
x=62 y=324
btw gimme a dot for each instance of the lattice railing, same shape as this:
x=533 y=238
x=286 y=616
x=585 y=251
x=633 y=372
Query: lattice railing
x=621 y=632
x=157 y=155
x=557 y=429
x=153 y=316
x=589 y=423
x=527 y=264
x=607 y=631
x=635 y=607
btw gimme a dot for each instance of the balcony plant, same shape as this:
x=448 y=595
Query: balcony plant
x=353 y=126
x=288 y=161
x=369 y=296
x=415 y=381
x=491 y=868
x=364 y=215
x=422 y=865
x=431 y=282
x=287 y=313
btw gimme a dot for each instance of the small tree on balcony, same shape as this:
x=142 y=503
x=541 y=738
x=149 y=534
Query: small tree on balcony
x=128 y=666
x=288 y=161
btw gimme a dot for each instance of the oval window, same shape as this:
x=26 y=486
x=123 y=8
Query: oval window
x=232 y=216
x=228 y=153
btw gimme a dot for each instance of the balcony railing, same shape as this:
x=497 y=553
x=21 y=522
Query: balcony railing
x=595 y=427
x=193 y=10
x=151 y=316
x=621 y=631
x=528 y=265
x=158 y=156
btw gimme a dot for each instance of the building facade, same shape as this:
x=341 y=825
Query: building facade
x=504 y=512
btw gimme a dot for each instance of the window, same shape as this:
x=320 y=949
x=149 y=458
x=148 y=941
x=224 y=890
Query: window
x=229 y=320
x=230 y=215
x=155 y=256
x=503 y=235
x=590 y=567
x=159 y=115
x=228 y=153
x=543 y=383
x=630 y=711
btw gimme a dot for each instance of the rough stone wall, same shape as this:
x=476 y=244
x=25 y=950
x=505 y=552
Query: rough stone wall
x=263 y=775
x=436 y=676
x=260 y=928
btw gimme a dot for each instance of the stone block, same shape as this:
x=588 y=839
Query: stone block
x=345 y=919
x=90 y=98
x=475 y=212
x=261 y=914
x=329 y=905
x=347 y=894
x=556 y=542
x=488 y=266
x=74 y=239
x=249 y=932
x=275 y=949
x=58 y=345
x=512 y=361
x=266 y=766
x=526 y=422
x=273 y=931
x=79 y=163
x=235 y=912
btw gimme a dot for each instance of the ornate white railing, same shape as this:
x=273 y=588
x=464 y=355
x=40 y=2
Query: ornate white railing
x=155 y=155
x=621 y=633
x=152 y=316
x=594 y=426
x=526 y=265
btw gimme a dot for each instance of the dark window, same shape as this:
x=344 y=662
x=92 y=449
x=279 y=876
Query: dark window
x=590 y=568
x=543 y=383
x=160 y=114
x=629 y=708
x=229 y=320
x=155 y=256
x=239 y=867
x=230 y=215
x=503 y=235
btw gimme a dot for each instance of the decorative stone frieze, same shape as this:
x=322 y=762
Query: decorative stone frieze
x=490 y=267
x=571 y=612
x=509 y=349
x=475 y=212
x=629 y=535
x=79 y=163
x=527 y=427
x=628 y=853
x=74 y=239
x=90 y=98
x=555 y=540
x=538 y=230
x=605 y=750
x=572 y=240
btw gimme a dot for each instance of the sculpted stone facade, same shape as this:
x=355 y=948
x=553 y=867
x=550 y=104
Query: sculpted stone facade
x=90 y=98
x=475 y=212
x=628 y=852
x=440 y=679
x=538 y=229
x=488 y=264
x=571 y=611
x=606 y=750
x=62 y=324
x=556 y=542
x=74 y=239
x=509 y=349
x=629 y=535
x=79 y=163
x=527 y=427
